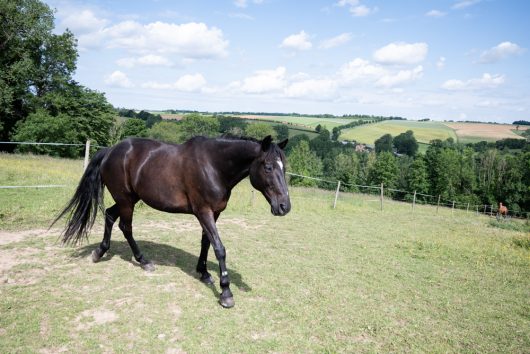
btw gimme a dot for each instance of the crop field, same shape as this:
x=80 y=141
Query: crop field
x=423 y=131
x=350 y=279
x=475 y=132
x=307 y=122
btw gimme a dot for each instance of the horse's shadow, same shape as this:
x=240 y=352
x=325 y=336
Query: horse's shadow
x=163 y=255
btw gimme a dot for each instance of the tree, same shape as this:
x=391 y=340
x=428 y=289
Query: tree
x=195 y=124
x=282 y=132
x=384 y=170
x=417 y=178
x=405 y=143
x=89 y=116
x=260 y=130
x=335 y=133
x=165 y=131
x=384 y=143
x=33 y=60
x=133 y=127
x=346 y=169
x=304 y=162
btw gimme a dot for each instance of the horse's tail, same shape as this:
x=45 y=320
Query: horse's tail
x=83 y=207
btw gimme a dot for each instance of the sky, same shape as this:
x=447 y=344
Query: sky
x=440 y=59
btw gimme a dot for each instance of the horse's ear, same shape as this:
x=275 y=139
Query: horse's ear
x=283 y=144
x=266 y=143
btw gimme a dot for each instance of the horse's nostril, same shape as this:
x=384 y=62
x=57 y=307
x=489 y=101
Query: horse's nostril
x=283 y=208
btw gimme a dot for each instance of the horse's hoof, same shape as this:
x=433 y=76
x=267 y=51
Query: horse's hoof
x=207 y=279
x=227 y=302
x=148 y=266
x=95 y=257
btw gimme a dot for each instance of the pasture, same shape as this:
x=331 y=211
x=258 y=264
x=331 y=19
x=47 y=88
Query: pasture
x=353 y=279
x=306 y=122
x=423 y=131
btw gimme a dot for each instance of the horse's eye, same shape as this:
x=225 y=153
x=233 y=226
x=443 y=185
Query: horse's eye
x=268 y=167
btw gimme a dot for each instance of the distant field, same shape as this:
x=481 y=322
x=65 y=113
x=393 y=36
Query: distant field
x=475 y=132
x=307 y=122
x=423 y=131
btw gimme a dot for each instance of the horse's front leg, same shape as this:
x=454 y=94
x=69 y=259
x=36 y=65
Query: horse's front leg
x=207 y=220
x=202 y=268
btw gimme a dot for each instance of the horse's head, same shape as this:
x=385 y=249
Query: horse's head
x=267 y=174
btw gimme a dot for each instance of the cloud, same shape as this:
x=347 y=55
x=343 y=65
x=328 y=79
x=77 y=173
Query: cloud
x=464 y=4
x=146 y=60
x=244 y=3
x=264 y=81
x=435 y=13
x=356 y=8
x=118 y=79
x=499 y=52
x=335 y=41
x=299 y=41
x=401 y=53
x=440 y=64
x=81 y=22
x=485 y=82
x=186 y=83
x=361 y=70
x=320 y=89
x=400 y=78
x=191 y=40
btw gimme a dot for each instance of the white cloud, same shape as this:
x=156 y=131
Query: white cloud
x=361 y=70
x=244 y=3
x=265 y=81
x=499 y=52
x=186 y=83
x=435 y=13
x=146 y=60
x=118 y=79
x=401 y=53
x=465 y=3
x=316 y=89
x=400 y=78
x=484 y=82
x=299 y=41
x=81 y=22
x=356 y=8
x=191 y=40
x=440 y=64
x=335 y=41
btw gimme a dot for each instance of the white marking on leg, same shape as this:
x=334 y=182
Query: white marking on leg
x=224 y=274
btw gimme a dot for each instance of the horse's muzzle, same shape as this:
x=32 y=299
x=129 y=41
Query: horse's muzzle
x=281 y=209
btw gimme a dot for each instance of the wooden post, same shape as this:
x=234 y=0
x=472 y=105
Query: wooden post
x=438 y=205
x=414 y=201
x=381 y=196
x=87 y=154
x=491 y=210
x=336 y=195
x=477 y=210
x=484 y=209
x=467 y=210
x=453 y=208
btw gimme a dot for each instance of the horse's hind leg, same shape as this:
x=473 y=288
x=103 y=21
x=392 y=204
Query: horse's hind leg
x=111 y=214
x=126 y=213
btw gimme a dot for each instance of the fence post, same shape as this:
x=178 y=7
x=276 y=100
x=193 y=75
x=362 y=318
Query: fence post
x=491 y=210
x=438 y=205
x=484 y=209
x=467 y=210
x=336 y=195
x=453 y=208
x=381 y=196
x=414 y=201
x=87 y=154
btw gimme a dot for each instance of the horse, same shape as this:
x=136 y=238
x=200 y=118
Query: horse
x=502 y=212
x=195 y=177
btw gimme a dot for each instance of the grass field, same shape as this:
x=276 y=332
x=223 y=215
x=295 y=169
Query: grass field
x=307 y=122
x=353 y=279
x=423 y=131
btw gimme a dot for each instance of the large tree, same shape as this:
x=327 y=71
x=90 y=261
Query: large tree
x=405 y=143
x=33 y=60
x=195 y=124
x=384 y=143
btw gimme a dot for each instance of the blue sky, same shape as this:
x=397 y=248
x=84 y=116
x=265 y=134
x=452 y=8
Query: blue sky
x=452 y=59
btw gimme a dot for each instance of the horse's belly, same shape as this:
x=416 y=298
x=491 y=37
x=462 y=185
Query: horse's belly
x=168 y=202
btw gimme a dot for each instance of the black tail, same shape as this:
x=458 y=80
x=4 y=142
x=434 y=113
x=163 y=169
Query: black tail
x=83 y=207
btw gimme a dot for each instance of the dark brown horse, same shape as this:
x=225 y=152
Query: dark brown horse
x=196 y=177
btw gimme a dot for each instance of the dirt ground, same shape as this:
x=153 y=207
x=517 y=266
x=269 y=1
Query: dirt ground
x=486 y=131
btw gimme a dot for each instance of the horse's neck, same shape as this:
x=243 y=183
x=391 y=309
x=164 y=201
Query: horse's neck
x=236 y=159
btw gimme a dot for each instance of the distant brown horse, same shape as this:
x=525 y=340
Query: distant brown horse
x=502 y=212
x=196 y=177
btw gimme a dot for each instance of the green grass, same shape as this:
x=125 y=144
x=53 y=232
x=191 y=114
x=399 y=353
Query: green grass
x=423 y=131
x=308 y=122
x=353 y=279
